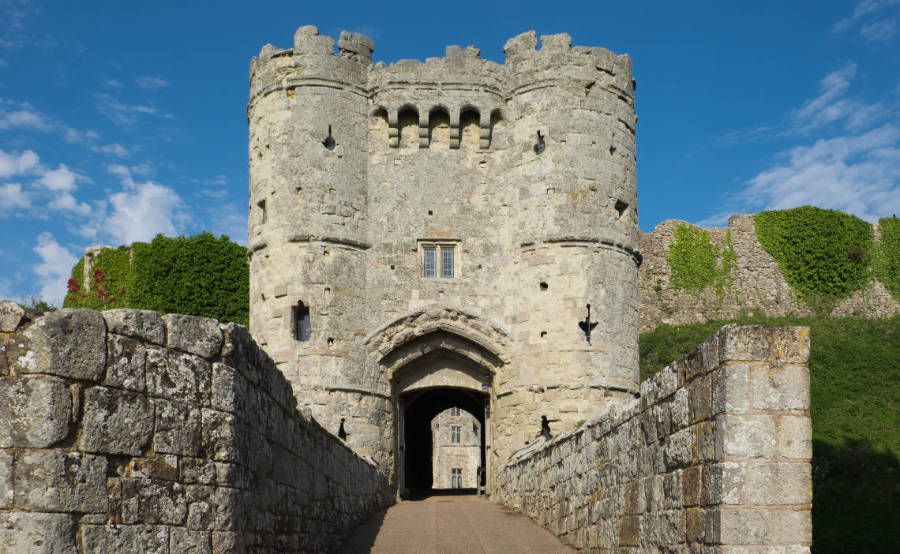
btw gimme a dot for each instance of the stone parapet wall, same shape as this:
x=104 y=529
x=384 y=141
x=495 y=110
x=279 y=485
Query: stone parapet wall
x=758 y=283
x=125 y=431
x=714 y=456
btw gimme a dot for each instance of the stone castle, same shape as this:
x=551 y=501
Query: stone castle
x=426 y=239
x=431 y=234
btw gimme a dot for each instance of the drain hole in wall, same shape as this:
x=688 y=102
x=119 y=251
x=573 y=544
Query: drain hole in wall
x=430 y=212
x=479 y=266
x=544 y=286
x=327 y=291
x=612 y=150
x=326 y=253
x=543 y=334
x=330 y=342
x=621 y=207
x=392 y=266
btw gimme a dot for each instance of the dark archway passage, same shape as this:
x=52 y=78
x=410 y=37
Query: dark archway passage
x=420 y=408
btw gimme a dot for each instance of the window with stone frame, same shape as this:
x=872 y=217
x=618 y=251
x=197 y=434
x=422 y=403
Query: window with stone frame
x=456 y=477
x=454 y=411
x=454 y=433
x=439 y=260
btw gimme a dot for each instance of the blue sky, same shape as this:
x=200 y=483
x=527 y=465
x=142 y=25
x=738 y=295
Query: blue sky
x=119 y=122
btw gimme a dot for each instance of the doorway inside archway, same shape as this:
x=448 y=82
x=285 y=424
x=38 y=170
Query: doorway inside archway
x=441 y=428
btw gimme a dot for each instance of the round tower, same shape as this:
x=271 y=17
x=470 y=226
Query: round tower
x=308 y=223
x=572 y=174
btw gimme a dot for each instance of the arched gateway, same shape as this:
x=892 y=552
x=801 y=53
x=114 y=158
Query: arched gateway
x=436 y=359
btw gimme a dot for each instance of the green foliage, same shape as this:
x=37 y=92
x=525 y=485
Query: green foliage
x=824 y=255
x=887 y=261
x=199 y=275
x=693 y=259
x=108 y=285
x=854 y=376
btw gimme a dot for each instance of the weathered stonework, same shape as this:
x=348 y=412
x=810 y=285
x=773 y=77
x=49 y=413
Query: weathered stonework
x=525 y=170
x=713 y=457
x=758 y=283
x=133 y=446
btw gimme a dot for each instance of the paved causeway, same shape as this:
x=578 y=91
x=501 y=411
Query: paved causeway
x=450 y=524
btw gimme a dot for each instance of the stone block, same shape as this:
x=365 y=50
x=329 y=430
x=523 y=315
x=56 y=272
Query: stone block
x=198 y=471
x=178 y=376
x=145 y=325
x=745 y=343
x=11 y=315
x=679 y=410
x=153 y=501
x=792 y=527
x=726 y=484
x=230 y=390
x=153 y=467
x=778 y=483
x=37 y=533
x=224 y=438
x=691 y=485
x=629 y=531
x=213 y=508
x=57 y=481
x=794 y=437
x=746 y=436
x=731 y=389
x=190 y=542
x=177 y=429
x=196 y=335
x=700 y=399
x=68 y=343
x=694 y=528
x=147 y=539
x=743 y=526
x=115 y=421
x=678 y=449
x=783 y=387
x=791 y=344
x=126 y=363
x=6 y=480
x=35 y=412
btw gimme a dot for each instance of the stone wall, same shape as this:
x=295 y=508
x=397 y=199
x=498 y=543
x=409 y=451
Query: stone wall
x=714 y=455
x=126 y=431
x=758 y=283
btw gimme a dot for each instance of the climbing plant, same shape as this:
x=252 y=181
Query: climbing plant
x=695 y=261
x=107 y=286
x=199 y=275
x=887 y=260
x=824 y=255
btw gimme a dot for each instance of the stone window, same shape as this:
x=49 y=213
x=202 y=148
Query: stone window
x=456 y=477
x=300 y=323
x=262 y=211
x=454 y=433
x=439 y=260
x=430 y=269
x=454 y=411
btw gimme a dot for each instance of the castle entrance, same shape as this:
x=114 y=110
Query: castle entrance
x=443 y=426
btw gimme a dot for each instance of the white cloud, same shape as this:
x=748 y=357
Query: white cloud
x=113 y=149
x=142 y=210
x=151 y=82
x=60 y=179
x=832 y=105
x=124 y=115
x=12 y=196
x=23 y=119
x=17 y=164
x=54 y=269
x=858 y=174
x=876 y=19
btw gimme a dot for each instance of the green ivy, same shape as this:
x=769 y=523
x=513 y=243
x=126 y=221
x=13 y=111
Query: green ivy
x=694 y=260
x=887 y=262
x=108 y=284
x=824 y=255
x=200 y=275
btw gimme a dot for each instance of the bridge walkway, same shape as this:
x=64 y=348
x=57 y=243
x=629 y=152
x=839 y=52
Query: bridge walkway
x=449 y=524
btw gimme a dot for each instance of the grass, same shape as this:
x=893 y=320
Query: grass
x=854 y=368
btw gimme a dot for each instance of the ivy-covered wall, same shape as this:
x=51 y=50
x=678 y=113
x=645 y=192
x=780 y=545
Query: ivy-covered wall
x=824 y=255
x=200 y=275
x=803 y=261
